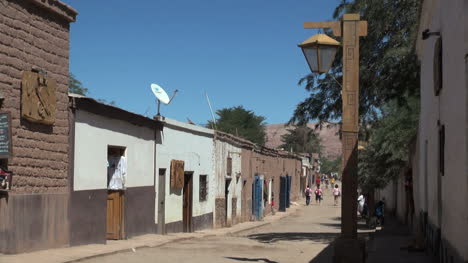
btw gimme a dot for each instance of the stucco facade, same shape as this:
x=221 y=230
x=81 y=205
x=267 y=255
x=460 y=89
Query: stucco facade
x=443 y=197
x=193 y=145
x=96 y=129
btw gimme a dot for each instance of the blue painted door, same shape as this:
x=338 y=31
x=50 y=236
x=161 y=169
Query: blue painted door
x=258 y=191
x=282 y=199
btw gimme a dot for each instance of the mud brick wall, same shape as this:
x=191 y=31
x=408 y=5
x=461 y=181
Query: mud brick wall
x=35 y=33
x=220 y=208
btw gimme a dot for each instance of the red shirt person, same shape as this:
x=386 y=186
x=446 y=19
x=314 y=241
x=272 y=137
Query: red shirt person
x=317 y=181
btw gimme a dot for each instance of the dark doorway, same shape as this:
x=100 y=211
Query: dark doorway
x=226 y=199
x=187 y=202
x=162 y=201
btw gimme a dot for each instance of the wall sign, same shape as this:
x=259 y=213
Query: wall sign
x=5 y=135
x=38 y=101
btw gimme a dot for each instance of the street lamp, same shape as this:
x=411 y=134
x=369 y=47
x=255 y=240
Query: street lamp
x=319 y=51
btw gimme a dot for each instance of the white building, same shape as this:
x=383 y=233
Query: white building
x=101 y=210
x=228 y=195
x=441 y=174
x=187 y=208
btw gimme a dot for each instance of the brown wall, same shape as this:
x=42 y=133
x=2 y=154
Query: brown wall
x=33 y=221
x=33 y=36
x=272 y=167
x=88 y=211
x=34 y=215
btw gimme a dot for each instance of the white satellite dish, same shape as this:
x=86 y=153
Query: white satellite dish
x=161 y=95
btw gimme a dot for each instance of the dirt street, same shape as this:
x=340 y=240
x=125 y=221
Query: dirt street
x=297 y=238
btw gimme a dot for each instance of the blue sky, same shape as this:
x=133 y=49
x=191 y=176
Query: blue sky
x=241 y=52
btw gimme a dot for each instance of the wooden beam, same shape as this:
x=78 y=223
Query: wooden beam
x=334 y=25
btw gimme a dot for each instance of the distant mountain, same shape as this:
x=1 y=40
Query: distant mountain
x=329 y=136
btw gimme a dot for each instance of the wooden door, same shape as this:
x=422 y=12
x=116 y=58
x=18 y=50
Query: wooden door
x=161 y=201
x=114 y=214
x=187 y=202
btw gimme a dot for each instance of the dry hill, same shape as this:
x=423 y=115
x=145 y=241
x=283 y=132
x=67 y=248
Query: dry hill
x=329 y=137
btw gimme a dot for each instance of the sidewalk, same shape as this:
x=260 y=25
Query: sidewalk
x=390 y=245
x=78 y=253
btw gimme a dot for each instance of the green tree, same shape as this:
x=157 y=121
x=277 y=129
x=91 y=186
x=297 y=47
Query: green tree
x=301 y=139
x=389 y=87
x=389 y=68
x=328 y=166
x=75 y=86
x=241 y=122
x=389 y=144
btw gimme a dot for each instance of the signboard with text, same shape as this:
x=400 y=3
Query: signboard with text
x=5 y=135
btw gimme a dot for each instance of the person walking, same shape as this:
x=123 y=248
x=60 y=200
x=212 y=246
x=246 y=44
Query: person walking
x=336 y=193
x=317 y=181
x=318 y=195
x=308 y=192
x=361 y=201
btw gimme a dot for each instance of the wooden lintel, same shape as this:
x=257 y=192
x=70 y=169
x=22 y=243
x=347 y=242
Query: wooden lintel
x=362 y=27
x=334 y=25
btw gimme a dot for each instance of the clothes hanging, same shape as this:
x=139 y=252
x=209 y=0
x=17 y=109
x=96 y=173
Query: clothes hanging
x=117 y=172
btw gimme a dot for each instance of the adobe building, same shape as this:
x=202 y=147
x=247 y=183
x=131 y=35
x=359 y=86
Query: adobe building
x=34 y=142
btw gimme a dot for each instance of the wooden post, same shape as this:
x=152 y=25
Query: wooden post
x=348 y=248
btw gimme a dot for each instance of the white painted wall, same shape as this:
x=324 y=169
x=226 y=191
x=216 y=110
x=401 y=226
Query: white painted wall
x=450 y=108
x=223 y=150
x=93 y=134
x=193 y=145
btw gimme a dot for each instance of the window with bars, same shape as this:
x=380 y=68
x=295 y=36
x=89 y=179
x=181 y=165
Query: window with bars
x=203 y=187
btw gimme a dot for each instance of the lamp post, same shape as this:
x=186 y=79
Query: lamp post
x=319 y=55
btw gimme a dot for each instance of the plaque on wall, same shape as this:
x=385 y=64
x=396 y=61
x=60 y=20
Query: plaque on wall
x=5 y=135
x=38 y=101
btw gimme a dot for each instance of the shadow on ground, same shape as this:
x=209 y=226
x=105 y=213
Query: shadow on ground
x=293 y=236
x=266 y=260
x=325 y=256
x=360 y=226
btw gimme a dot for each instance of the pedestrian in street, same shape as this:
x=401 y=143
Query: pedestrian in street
x=361 y=201
x=308 y=192
x=326 y=182
x=380 y=212
x=318 y=195
x=317 y=181
x=336 y=193
x=272 y=205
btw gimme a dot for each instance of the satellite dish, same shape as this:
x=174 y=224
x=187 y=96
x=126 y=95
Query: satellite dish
x=160 y=94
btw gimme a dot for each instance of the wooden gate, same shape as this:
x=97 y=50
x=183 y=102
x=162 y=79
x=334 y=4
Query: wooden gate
x=114 y=214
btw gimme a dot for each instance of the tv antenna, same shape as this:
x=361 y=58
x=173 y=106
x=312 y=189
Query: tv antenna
x=161 y=96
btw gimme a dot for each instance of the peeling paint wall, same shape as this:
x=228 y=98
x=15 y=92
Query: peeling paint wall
x=224 y=150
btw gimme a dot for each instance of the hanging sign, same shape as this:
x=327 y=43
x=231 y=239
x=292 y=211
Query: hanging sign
x=5 y=135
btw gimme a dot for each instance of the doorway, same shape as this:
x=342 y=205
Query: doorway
x=162 y=201
x=187 y=202
x=116 y=172
x=226 y=200
x=114 y=214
